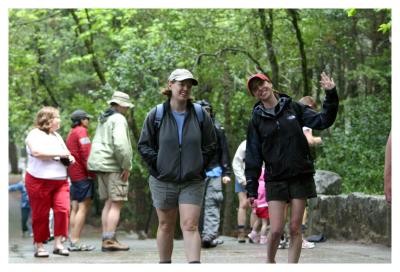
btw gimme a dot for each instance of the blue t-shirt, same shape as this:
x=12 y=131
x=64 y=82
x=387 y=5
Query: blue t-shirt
x=180 y=119
x=215 y=172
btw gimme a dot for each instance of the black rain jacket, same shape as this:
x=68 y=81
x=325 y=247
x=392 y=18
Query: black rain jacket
x=279 y=141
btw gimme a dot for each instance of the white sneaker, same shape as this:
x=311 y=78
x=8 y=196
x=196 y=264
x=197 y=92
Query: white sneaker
x=307 y=245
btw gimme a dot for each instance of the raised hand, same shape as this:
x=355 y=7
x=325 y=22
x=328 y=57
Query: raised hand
x=326 y=82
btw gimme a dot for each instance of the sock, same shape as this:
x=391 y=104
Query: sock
x=108 y=235
x=240 y=227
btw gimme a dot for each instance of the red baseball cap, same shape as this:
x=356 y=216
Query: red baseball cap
x=258 y=75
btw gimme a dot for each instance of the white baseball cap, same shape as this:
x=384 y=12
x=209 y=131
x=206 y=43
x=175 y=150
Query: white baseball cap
x=182 y=74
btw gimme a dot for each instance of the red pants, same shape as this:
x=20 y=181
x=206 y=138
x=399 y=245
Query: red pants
x=43 y=195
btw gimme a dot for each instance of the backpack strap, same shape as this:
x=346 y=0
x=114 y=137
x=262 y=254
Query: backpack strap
x=159 y=116
x=199 y=113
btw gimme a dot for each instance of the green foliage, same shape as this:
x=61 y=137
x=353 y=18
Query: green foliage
x=136 y=49
x=355 y=148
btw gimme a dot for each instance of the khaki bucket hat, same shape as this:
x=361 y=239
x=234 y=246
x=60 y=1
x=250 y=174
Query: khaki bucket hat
x=121 y=99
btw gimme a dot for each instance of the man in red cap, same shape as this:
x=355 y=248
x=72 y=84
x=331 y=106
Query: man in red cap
x=275 y=137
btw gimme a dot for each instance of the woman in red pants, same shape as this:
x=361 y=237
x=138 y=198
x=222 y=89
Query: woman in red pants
x=46 y=181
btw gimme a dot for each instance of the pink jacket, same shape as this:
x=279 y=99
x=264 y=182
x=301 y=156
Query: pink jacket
x=261 y=200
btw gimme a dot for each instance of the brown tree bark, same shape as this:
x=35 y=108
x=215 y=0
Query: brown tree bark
x=141 y=201
x=228 y=209
x=89 y=44
x=41 y=72
x=294 y=16
x=267 y=27
x=13 y=157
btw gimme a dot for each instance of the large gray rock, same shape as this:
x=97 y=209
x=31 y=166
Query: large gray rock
x=327 y=182
x=357 y=217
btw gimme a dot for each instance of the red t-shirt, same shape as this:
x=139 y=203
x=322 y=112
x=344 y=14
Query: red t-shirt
x=78 y=143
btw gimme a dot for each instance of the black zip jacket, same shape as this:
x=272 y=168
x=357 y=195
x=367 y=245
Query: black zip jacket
x=278 y=139
x=167 y=160
x=221 y=157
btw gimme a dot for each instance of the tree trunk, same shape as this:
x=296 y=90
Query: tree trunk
x=268 y=28
x=89 y=45
x=228 y=222
x=13 y=157
x=42 y=71
x=141 y=202
x=295 y=18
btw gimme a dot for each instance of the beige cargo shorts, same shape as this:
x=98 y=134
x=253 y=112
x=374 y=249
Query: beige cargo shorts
x=111 y=186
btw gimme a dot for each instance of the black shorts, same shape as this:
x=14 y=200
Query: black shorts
x=301 y=187
x=80 y=190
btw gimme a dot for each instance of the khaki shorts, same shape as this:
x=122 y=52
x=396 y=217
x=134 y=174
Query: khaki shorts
x=111 y=186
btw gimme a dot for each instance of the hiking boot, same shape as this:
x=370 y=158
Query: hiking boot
x=241 y=236
x=113 y=245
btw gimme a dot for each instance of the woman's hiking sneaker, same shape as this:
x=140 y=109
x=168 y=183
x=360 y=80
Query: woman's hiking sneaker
x=113 y=245
x=78 y=246
x=284 y=243
x=263 y=240
x=307 y=245
x=254 y=238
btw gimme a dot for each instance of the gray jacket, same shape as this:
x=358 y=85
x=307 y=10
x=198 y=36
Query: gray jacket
x=166 y=158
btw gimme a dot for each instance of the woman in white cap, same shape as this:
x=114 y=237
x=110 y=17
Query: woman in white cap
x=177 y=142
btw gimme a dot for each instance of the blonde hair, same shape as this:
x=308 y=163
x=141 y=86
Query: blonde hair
x=45 y=117
x=309 y=101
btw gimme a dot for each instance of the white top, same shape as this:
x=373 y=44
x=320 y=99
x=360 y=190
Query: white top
x=45 y=169
x=238 y=162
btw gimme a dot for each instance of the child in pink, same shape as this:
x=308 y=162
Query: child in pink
x=260 y=208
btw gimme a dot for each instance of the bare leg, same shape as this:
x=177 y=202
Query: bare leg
x=264 y=226
x=165 y=233
x=104 y=214
x=296 y=216
x=189 y=215
x=277 y=222
x=243 y=205
x=113 y=214
x=80 y=217
x=74 y=210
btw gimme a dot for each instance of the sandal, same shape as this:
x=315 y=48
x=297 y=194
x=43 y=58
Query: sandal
x=41 y=253
x=61 y=251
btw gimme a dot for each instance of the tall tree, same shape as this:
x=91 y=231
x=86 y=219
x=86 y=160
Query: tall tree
x=89 y=43
x=294 y=16
x=267 y=27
